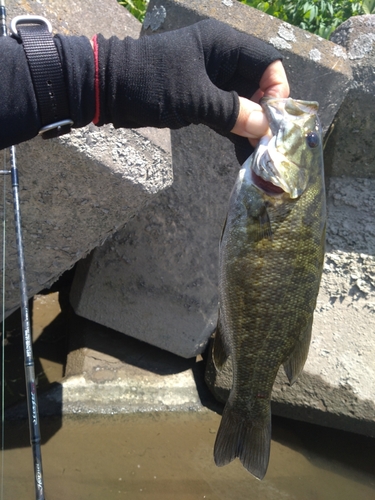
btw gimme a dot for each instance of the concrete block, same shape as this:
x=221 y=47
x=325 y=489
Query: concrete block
x=77 y=190
x=109 y=373
x=350 y=149
x=317 y=69
x=156 y=280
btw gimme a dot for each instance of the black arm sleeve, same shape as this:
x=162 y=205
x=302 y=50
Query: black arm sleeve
x=19 y=115
x=173 y=79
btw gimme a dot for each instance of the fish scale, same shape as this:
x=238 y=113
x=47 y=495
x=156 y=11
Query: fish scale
x=271 y=260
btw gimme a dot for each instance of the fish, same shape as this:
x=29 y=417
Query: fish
x=270 y=266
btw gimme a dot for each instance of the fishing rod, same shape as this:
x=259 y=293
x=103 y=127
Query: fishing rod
x=32 y=401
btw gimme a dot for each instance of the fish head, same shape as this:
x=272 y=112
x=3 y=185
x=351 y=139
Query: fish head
x=283 y=159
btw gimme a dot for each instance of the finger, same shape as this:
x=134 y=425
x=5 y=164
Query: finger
x=251 y=121
x=274 y=81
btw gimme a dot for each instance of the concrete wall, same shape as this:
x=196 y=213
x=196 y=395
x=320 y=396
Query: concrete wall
x=77 y=190
x=156 y=280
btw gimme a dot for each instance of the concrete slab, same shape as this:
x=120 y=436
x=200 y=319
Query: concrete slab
x=77 y=190
x=350 y=148
x=108 y=372
x=157 y=279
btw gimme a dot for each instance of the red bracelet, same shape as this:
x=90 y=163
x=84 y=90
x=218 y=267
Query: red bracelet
x=96 y=80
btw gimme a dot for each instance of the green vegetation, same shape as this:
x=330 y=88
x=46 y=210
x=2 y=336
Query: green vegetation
x=317 y=16
x=136 y=7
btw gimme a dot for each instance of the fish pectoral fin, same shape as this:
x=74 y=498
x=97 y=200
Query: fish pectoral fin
x=220 y=351
x=249 y=441
x=223 y=229
x=294 y=365
x=265 y=228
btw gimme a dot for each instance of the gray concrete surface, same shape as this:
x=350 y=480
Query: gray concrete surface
x=157 y=279
x=350 y=149
x=164 y=291
x=108 y=372
x=77 y=190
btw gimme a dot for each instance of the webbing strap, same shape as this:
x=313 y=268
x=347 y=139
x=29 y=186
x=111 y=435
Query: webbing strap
x=48 y=77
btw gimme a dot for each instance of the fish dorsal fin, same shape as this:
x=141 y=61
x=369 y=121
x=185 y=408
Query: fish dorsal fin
x=294 y=365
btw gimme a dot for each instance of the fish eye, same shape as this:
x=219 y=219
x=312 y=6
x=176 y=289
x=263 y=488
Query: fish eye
x=312 y=139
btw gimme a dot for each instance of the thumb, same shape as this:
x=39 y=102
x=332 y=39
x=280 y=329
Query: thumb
x=251 y=121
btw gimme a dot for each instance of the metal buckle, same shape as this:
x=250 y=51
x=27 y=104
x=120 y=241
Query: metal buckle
x=57 y=125
x=28 y=20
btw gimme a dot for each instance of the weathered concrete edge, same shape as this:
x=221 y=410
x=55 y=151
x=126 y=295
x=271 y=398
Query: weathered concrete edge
x=310 y=400
x=317 y=59
x=76 y=395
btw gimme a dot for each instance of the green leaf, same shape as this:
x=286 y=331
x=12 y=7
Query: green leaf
x=313 y=13
x=369 y=6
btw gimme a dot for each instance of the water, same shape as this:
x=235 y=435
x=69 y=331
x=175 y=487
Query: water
x=162 y=456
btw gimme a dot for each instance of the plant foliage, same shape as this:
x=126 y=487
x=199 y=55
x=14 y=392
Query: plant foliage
x=317 y=16
x=136 y=7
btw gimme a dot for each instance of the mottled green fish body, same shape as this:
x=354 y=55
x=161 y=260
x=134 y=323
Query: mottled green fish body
x=271 y=260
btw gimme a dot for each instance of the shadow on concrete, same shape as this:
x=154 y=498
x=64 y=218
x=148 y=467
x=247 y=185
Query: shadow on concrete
x=88 y=334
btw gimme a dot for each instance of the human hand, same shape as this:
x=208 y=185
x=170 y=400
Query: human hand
x=252 y=122
x=172 y=79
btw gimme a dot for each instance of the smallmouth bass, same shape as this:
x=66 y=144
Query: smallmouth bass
x=270 y=265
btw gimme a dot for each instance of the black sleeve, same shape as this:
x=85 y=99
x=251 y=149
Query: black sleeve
x=19 y=115
x=173 y=79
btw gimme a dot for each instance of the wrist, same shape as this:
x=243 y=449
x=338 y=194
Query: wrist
x=77 y=59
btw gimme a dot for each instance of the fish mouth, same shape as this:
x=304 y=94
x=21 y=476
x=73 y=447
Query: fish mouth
x=270 y=169
x=264 y=172
x=266 y=186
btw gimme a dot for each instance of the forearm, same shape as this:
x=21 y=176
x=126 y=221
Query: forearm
x=19 y=115
x=192 y=75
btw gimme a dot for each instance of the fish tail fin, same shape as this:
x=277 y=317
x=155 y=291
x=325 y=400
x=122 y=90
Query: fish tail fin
x=248 y=440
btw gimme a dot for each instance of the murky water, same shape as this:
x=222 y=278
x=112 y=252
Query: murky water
x=164 y=456
x=161 y=456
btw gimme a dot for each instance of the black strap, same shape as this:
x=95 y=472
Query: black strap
x=47 y=75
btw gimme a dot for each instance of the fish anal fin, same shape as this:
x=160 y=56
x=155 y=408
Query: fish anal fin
x=248 y=440
x=294 y=365
x=220 y=351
